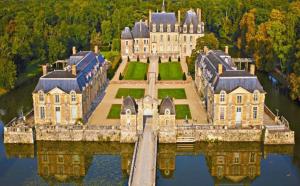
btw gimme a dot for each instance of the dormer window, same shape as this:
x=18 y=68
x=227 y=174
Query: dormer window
x=56 y=98
x=73 y=96
x=222 y=96
x=167 y=112
x=176 y=28
x=255 y=96
x=184 y=28
x=161 y=27
x=154 y=27
x=41 y=96
x=169 y=28
x=128 y=112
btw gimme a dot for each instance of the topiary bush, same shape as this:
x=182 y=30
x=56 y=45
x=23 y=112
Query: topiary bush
x=184 y=76
x=120 y=76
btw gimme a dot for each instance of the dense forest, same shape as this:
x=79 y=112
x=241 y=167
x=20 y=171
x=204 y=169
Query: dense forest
x=38 y=32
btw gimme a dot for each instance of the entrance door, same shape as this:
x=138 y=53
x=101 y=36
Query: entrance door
x=57 y=114
x=238 y=116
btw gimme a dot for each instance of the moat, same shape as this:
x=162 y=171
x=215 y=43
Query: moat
x=190 y=164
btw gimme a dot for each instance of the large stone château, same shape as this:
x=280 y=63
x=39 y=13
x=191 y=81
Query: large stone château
x=232 y=97
x=66 y=96
x=163 y=35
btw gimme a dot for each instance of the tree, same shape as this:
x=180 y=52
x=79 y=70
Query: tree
x=158 y=77
x=116 y=44
x=148 y=60
x=183 y=76
x=145 y=77
x=120 y=76
x=128 y=59
x=7 y=74
x=170 y=59
x=159 y=59
x=106 y=32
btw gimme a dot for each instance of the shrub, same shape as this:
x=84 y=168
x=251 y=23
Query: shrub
x=170 y=59
x=158 y=77
x=178 y=58
x=120 y=76
x=148 y=60
x=159 y=59
x=128 y=59
x=145 y=77
x=138 y=58
x=184 y=76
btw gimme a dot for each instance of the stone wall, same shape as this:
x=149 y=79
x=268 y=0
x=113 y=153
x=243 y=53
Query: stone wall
x=18 y=135
x=77 y=133
x=279 y=137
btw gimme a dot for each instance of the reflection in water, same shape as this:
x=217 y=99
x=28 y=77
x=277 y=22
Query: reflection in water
x=69 y=162
x=227 y=163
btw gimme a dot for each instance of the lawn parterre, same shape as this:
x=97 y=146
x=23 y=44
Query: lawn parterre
x=137 y=93
x=170 y=71
x=135 y=71
x=114 y=112
x=183 y=111
x=177 y=93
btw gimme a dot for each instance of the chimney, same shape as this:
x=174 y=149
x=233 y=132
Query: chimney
x=140 y=25
x=252 y=69
x=74 y=70
x=205 y=49
x=220 y=69
x=199 y=15
x=96 y=49
x=150 y=18
x=73 y=50
x=45 y=70
x=179 y=17
x=226 y=50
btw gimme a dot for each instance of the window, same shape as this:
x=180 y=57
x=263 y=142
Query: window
x=167 y=112
x=57 y=100
x=222 y=97
x=41 y=96
x=239 y=99
x=222 y=113
x=60 y=159
x=73 y=97
x=252 y=157
x=255 y=97
x=161 y=38
x=176 y=38
x=154 y=38
x=45 y=158
x=74 y=112
x=220 y=171
x=126 y=43
x=191 y=38
x=76 y=159
x=145 y=42
x=220 y=160
x=42 y=112
x=154 y=27
x=236 y=158
x=184 y=38
x=254 y=112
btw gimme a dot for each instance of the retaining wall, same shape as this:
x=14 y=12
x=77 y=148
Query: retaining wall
x=18 y=135
x=273 y=137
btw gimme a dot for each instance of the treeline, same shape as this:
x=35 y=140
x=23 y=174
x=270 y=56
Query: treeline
x=38 y=32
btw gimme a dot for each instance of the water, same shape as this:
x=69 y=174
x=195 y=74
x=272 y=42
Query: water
x=53 y=163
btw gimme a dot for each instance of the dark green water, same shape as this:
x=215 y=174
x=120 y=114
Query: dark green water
x=49 y=163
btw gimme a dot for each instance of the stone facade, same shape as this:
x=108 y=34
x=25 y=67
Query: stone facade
x=163 y=35
x=232 y=97
x=65 y=96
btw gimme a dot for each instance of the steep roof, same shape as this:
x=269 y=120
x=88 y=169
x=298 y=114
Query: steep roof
x=191 y=18
x=86 y=62
x=230 y=78
x=140 y=30
x=163 y=18
x=126 y=33
x=167 y=103
x=129 y=103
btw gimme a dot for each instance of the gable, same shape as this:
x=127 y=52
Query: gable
x=239 y=90
x=56 y=90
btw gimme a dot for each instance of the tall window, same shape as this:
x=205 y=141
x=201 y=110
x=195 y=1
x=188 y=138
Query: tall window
x=169 y=38
x=254 y=112
x=252 y=157
x=239 y=99
x=184 y=38
x=222 y=97
x=74 y=112
x=126 y=43
x=222 y=113
x=42 y=112
x=255 y=97
x=236 y=158
x=176 y=38
x=161 y=38
x=57 y=98
x=191 y=38
x=145 y=42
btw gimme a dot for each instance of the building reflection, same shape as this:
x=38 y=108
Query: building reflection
x=228 y=163
x=69 y=162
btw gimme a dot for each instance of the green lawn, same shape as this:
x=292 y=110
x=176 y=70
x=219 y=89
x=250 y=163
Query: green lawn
x=182 y=111
x=177 y=93
x=135 y=71
x=170 y=71
x=114 y=112
x=134 y=92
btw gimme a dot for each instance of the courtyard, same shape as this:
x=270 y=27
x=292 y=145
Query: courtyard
x=177 y=93
x=135 y=71
x=170 y=71
x=137 y=93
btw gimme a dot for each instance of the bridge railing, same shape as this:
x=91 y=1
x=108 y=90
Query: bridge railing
x=132 y=168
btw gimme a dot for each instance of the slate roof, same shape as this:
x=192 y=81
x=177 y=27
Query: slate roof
x=167 y=103
x=230 y=78
x=191 y=18
x=140 y=30
x=86 y=63
x=126 y=33
x=164 y=18
x=129 y=103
